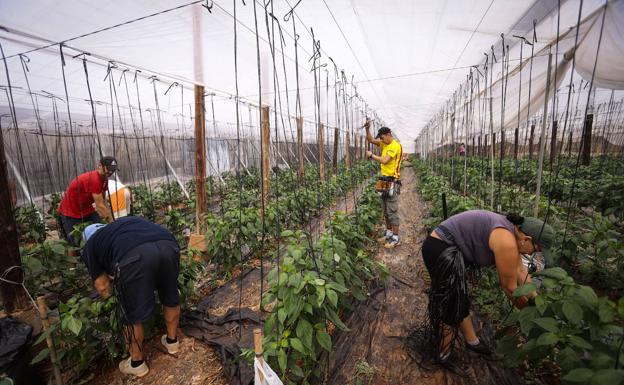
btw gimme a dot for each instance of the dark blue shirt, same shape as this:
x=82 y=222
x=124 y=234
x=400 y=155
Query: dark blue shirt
x=110 y=244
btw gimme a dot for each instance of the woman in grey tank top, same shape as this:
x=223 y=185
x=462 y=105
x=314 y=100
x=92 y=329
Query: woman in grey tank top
x=479 y=238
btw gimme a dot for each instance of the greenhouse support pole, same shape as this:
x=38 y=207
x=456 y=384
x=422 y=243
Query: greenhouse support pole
x=542 y=141
x=587 y=139
x=531 y=135
x=321 y=144
x=300 y=153
x=553 y=142
x=347 y=149
x=200 y=158
x=335 y=157
x=264 y=152
x=13 y=295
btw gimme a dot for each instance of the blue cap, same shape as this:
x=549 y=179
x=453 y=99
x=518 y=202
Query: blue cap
x=90 y=230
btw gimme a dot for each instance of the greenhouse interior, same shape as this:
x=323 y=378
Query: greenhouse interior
x=338 y=192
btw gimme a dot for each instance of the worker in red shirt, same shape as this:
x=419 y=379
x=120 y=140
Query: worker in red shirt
x=85 y=190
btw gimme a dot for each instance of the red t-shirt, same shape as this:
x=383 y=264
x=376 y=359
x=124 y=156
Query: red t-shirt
x=78 y=200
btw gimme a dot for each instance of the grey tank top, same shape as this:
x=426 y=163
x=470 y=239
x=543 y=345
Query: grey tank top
x=470 y=232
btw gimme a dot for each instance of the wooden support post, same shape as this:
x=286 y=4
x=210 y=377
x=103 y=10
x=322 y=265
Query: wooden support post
x=531 y=135
x=257 y=333
x=553 y=143
x=300 y=154
x=321 y=144
x=587 y=140
x=502 y=144
x=197 y=240
x=264 y=150
x=13 y=296
x=45 y=322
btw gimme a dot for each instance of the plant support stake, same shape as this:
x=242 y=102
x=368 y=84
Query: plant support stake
x=542 y=141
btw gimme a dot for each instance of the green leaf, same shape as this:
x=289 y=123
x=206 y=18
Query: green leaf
x=601 y=360
x=338 y=287
x=607 y=377
x=319 y=282
x=540 y=304
x=333 y=317
x=297 y=371
x=305 y=332
x=553 y=272
x=42 y=355
x=620 y=307
x=46 y=333
x=324 y=340
x=568 y=359
x=297 y=345
x=588 y=295
x=526 y=317
x=547 y=323
x=320 y=293
x=572 y=311
x=281 y=315
x=606 y=313
x=332 y=296
x=580 y=342
x=282 y=360
x=579 y=375
x=73 y=324
x=547 y=338
x=57 y=249
x=525 y=289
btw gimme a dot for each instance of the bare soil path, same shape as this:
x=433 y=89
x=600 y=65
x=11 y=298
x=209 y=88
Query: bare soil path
x=374 y=352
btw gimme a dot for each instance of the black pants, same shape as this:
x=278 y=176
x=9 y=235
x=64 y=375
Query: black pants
x=149 y=267
x=448 y=298
x=68 y=223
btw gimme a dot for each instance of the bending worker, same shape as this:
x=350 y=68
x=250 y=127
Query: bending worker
x=83 y=191
x=142 y=257
x=390 y=160
x=479 y=238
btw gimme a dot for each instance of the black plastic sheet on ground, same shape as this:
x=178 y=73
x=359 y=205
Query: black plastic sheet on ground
x=223 y=333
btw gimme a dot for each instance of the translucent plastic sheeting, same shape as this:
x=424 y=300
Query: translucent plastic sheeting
x=521 y=92
x=398 y=53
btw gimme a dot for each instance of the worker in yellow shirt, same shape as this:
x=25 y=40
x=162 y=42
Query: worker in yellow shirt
x=389 y=186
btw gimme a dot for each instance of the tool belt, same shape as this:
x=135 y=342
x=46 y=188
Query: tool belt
x=387 y=186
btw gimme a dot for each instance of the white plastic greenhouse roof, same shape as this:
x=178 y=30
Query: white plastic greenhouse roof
x=406 y=57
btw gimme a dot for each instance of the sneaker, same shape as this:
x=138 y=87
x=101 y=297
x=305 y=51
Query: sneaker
x=126 y=368
x=480 y=348
x=387 y=235
x=383 y=240
x=171 y=348
x=392 y=243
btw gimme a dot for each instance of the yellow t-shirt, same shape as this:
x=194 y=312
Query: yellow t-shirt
x=395 y=151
